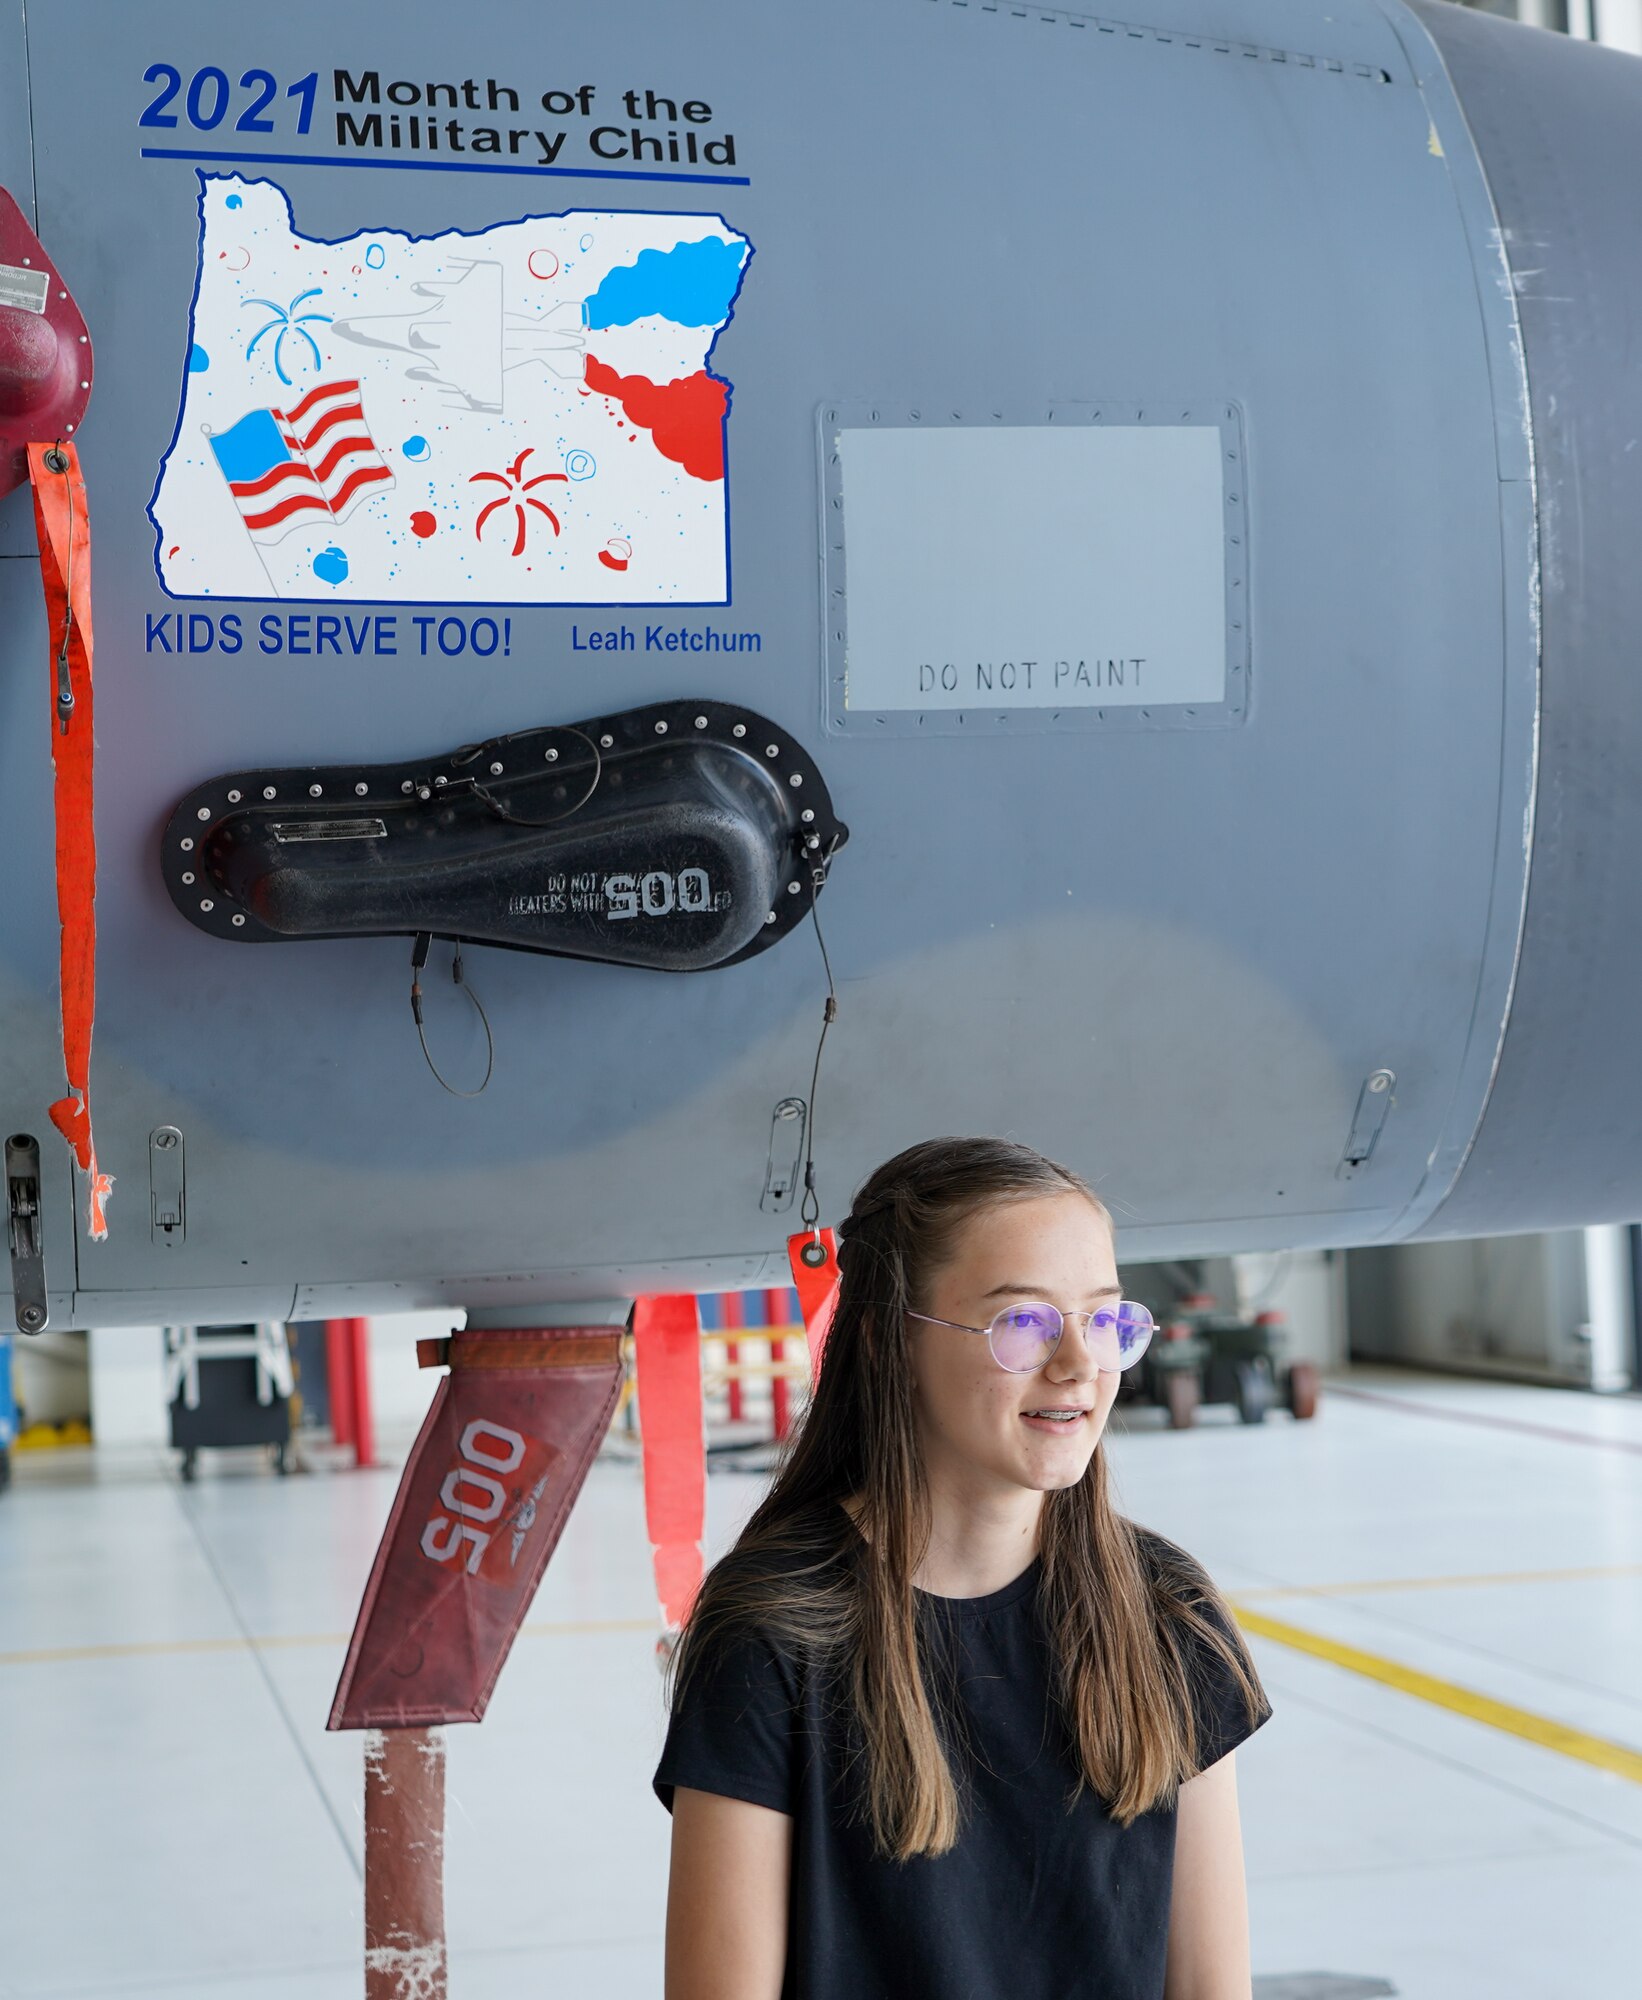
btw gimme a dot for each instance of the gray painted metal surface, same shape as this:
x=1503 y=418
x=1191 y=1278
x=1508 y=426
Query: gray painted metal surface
x=1170 y=955
x=1558 y=126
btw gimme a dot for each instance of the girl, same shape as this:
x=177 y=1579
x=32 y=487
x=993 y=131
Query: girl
x=944 y=1726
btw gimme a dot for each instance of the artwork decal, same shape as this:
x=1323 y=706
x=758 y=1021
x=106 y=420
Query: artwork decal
x=522 y=415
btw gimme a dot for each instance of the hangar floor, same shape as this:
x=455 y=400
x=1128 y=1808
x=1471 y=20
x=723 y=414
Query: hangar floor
x=1444 y=1586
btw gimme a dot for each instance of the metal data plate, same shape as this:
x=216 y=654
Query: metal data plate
x=1070 y=566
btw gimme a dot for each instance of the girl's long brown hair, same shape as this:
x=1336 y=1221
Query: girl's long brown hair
x=1119 y=1624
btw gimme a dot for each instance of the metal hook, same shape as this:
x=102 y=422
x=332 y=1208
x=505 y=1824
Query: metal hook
x=57 y=460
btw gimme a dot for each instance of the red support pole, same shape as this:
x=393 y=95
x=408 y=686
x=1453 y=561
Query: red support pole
x=364 y=1426
x=405 y=1864
x=730 y=1315
x=442 y=1608
x=348 y=1376
x=775 y=1310
x=779 y=1386
x=339 y=1379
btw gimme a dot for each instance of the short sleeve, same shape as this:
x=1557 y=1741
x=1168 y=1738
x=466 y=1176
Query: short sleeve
x=733 y=1726
x=1218 y=1701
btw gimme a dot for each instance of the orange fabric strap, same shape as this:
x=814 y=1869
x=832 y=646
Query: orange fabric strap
x=63 y=529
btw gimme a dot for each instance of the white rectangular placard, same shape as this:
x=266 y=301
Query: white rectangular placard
x=23 y=289
x=993 y=568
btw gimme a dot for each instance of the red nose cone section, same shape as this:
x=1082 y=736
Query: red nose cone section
x=45 y=351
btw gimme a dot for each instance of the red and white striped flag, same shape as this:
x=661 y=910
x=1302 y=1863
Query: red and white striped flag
x=286 y=468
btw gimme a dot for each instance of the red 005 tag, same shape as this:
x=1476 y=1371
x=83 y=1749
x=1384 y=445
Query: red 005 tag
x=493 y=1493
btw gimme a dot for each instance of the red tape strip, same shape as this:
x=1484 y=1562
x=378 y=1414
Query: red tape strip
x=817 y=1287
x=63 y=528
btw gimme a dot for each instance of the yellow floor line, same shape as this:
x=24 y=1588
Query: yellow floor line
x=134 y=1649
x=596 y=1625
x=1501 y=1715
x=1437 y=1582
x=141 y=1648
x=1519 y=1722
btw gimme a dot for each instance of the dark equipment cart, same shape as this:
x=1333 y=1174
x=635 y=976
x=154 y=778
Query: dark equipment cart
x=229 y=1385
x=1245 y=1362
x=1204 y=1355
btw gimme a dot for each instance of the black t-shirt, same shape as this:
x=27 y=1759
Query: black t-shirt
x=1032 y=1903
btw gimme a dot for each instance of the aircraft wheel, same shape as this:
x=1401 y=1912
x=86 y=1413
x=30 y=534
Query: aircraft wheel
x=1180 y=1395
x=1303 y=1389
x=1256 y=1392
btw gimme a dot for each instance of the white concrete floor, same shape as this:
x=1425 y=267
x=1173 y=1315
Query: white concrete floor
x=174 y=1818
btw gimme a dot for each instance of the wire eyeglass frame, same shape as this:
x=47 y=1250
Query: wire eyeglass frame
x=1121 y=1311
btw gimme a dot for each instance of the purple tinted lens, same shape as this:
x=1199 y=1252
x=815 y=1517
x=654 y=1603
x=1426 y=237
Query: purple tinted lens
x=1120 y=1334
x=1134 y=1331
x=1024 y=1337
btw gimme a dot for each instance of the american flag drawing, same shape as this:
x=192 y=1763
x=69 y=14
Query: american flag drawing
x=285 y=468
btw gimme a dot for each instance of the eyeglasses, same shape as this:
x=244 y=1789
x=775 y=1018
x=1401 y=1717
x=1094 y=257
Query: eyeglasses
x=1022 y=1337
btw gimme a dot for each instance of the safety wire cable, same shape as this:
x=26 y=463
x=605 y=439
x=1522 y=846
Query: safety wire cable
x=419 y=953
x=419 y=958
x=505 y=812
x=810 y=1207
